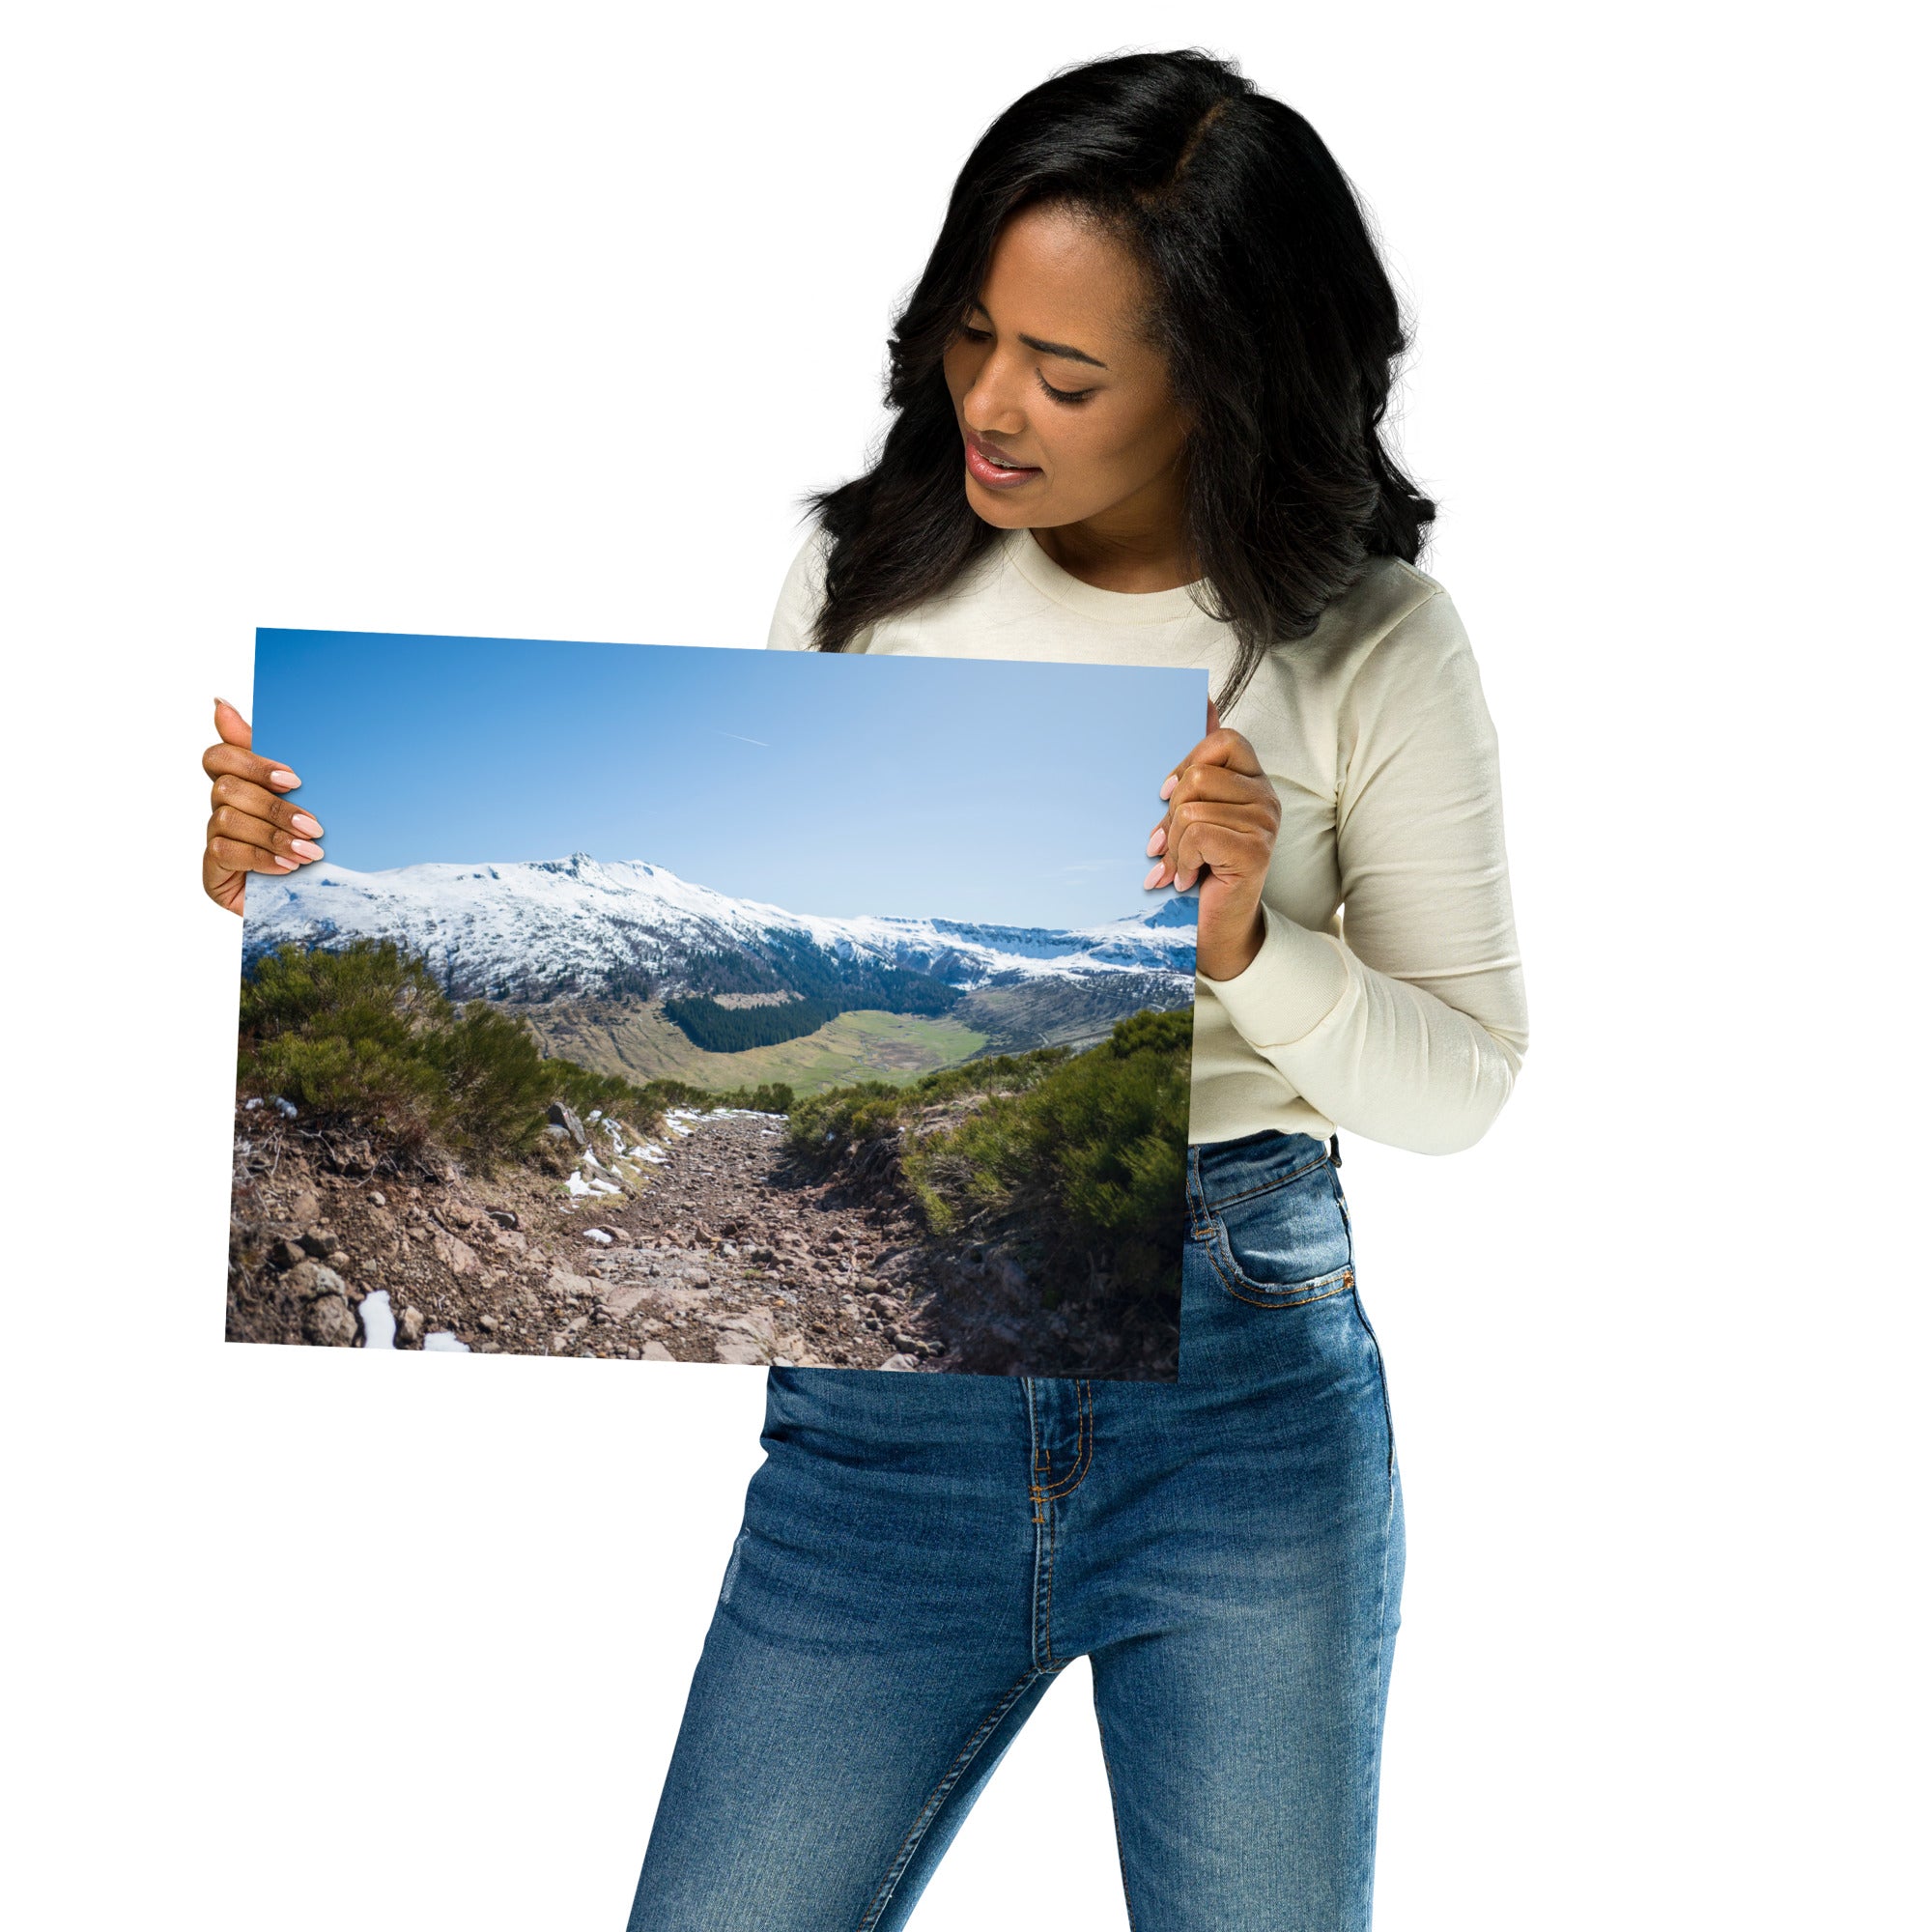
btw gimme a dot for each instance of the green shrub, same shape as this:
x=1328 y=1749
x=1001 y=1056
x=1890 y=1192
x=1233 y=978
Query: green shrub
x=495 y=1082
x=1090 y=1147
x=341 y=1033
x=363 y=1033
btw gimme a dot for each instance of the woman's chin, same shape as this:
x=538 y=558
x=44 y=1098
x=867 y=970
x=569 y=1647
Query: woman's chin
x=997 y=507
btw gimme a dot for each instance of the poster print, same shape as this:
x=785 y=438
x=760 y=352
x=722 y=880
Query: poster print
x=677 y=1004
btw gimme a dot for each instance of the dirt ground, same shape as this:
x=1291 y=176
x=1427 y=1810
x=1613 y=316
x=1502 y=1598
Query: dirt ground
x=713 y=1249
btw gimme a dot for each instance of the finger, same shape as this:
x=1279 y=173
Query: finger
x=252 y=799
x=1229 y=840
x=239 y=828
x=232 y=762
x=1177 y=838
x=1213 y=718
x=1220 y=781
x=1216 y=784
x=235 y=854
x=231 y=727
x=1220 y=746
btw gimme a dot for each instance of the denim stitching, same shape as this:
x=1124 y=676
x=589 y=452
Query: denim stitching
x=1114 y=1797
x=909 y=1844
x=1371 y=1730
x=1281 y=1294
x=1041 y=1495
x=1083 y=1449
x=1280 y=1181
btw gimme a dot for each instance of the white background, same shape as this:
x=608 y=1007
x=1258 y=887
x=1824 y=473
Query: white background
x=536 y=322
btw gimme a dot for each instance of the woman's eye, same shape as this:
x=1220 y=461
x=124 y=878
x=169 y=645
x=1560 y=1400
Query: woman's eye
x=975 y=334
x=1064 y=395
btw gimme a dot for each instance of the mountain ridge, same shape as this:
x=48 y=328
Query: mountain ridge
x=527 y=930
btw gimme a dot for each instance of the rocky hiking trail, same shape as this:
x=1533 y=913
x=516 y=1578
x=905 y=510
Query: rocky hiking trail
x=709 y=1246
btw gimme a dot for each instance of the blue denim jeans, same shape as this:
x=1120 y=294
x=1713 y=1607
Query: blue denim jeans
x=922 y=1556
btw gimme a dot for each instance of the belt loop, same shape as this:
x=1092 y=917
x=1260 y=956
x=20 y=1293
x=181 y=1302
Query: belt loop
x=1335 y=1150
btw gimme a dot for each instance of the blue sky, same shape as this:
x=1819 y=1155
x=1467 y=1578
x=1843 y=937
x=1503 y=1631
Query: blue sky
x=964 y=787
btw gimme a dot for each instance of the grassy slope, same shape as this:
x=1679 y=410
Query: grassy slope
x=633 y=1040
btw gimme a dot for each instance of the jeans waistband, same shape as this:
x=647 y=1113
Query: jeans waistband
x=1220 y=1169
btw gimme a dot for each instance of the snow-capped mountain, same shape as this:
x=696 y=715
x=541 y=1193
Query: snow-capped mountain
x=579 y=925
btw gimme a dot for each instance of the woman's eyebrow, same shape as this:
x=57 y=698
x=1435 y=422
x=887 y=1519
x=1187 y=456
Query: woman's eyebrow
x=1065 y=349
x=1062 y=349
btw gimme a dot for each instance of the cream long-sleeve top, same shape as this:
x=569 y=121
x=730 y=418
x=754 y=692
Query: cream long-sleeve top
x=1387 y=997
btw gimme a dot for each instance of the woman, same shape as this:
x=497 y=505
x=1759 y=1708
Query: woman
x=1137 y=400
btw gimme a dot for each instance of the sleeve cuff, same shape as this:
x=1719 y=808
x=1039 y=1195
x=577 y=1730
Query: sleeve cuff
x=1287 y=989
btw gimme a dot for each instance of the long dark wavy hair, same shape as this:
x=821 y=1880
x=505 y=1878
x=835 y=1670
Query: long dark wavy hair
x=1271 y=304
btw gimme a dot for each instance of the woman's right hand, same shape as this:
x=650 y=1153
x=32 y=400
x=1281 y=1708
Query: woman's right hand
x=253 y=828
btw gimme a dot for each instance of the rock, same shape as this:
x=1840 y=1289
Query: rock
x=321 y=1242
x=900 y=1362
x=563 y=1282
x=457 y=1257
x=408 y=1328
x=503 y=1217
x=757 y=1322
x=560 y=1116
x=741 y=1350
x=378 y=1199
x=287 y=1254
x=655 y=1352
x=698 y=1278
x=458 y=1214
x=311 y=1280
x=328 y=1324
x=486 y=1322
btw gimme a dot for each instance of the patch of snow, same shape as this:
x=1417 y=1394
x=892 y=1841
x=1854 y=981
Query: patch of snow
x=576 y=920
x=285 y=1108
x=379 y=1321
x=577 y=1183
x=440 y=1341
x=598 y=1234
x=249 y=1106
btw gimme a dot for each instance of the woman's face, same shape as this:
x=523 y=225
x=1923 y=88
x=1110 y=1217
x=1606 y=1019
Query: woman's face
x=1065 y=408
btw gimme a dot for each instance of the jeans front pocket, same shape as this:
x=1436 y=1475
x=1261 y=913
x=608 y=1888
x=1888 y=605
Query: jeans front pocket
x=1283 y=1241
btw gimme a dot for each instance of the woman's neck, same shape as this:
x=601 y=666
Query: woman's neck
x=1138 y=545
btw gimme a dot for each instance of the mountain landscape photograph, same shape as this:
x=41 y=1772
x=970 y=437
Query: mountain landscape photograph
x=668 y=1003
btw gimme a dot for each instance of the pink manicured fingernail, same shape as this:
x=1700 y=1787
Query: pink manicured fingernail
x=1154 y=877
x=1159 y=841
x=1167 y=788
x=287 y=864
x=286 y=780
x=306 y=848
x=302 y=822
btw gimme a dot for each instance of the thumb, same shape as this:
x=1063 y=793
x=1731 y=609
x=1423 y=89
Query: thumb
x=1213 y=717
x=231 y=726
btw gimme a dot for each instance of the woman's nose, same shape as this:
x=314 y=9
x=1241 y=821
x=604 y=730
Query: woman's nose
x=992 y=404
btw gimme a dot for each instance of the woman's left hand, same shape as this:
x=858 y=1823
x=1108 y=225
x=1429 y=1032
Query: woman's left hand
x=1222 y=817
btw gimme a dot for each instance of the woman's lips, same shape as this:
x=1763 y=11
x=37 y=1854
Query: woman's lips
x=986 y=467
